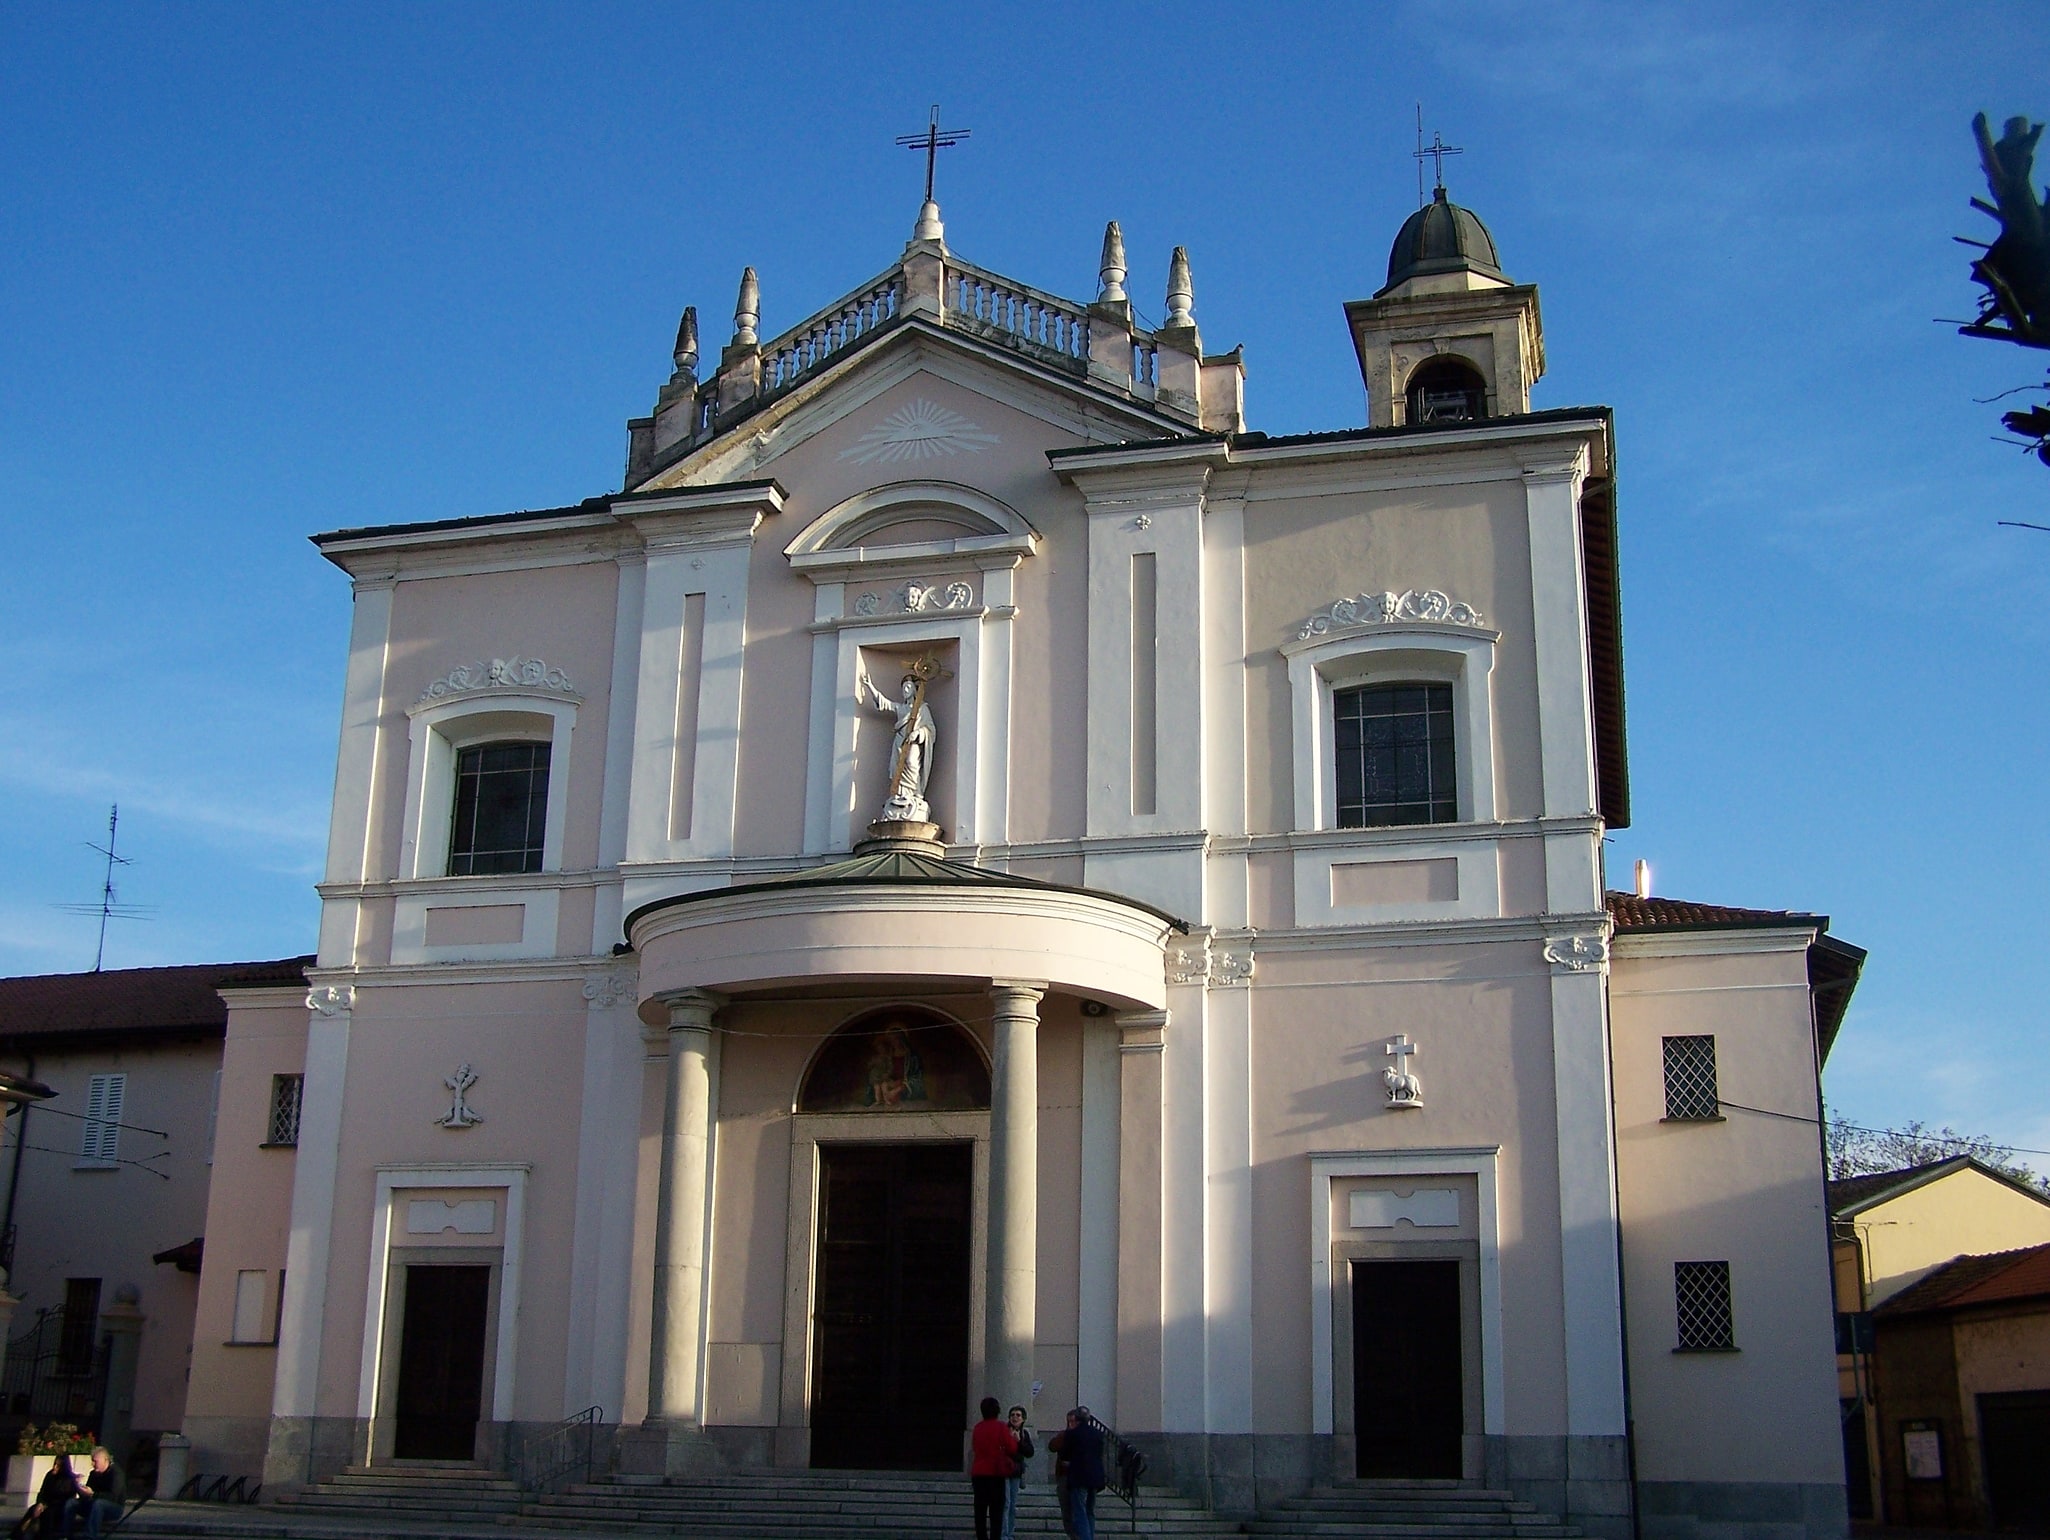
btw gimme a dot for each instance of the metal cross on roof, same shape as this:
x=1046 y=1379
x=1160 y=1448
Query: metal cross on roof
x=1435 y=151
x=932 y=141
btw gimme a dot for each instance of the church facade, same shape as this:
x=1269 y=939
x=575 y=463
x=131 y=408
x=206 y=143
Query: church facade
x=975 y=873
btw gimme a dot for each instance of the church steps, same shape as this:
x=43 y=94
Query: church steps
x=1386 y=1510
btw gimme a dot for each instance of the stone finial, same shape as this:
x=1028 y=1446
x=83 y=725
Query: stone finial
x=747 y=311
x=1110 y=272
x=687 y=343
x=1181 y=290
x=929 y=227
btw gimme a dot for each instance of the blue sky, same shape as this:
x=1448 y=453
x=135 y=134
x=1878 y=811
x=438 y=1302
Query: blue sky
x=276 y=269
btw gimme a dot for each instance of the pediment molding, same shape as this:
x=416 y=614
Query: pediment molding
x=834 y=547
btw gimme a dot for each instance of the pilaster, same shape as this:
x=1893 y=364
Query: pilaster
x=1141 y=1040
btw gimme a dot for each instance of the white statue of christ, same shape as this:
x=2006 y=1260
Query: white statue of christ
x=914 y=737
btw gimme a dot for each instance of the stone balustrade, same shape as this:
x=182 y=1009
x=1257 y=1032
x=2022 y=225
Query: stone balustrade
x=976 y=301
x=795 y=354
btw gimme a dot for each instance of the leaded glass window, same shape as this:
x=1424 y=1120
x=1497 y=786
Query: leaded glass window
x=1395 y=763
x=286 y=1092
x=1690 y=1078
x=501 y=809
x=1701 y=1301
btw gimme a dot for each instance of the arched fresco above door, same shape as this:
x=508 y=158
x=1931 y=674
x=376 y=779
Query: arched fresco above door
x=897 y=1058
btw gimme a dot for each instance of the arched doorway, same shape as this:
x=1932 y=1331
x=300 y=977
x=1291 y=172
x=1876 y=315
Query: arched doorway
x=890 y=1337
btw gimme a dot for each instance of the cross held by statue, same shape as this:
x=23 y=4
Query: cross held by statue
x=924 y=671
x=933 y=140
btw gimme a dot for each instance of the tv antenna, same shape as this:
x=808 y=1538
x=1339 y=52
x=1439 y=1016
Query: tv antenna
x=110 y=906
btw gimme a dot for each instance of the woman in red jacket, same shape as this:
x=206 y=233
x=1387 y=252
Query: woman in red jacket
x=993 y=1451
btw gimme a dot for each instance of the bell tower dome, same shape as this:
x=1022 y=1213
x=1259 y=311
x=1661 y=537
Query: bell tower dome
x=1450 y=337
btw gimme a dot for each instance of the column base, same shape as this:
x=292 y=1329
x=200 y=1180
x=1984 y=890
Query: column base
x=669 y=1449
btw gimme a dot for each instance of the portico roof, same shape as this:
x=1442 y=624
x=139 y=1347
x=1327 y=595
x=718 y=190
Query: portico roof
x=902 y=867
x=897 y=910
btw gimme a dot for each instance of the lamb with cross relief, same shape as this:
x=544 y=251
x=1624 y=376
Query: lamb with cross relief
x=1404 y=1089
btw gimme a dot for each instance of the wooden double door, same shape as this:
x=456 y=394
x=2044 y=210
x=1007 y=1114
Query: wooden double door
x=1408 y=1369
x=890 y=1321
x=441 y=1362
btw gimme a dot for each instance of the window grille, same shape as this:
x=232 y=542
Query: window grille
x=501 y=813
x=286 y=1092
x=1701 y=1301
x=1690 y=1078
x=1395 y=755
x=99 y=1146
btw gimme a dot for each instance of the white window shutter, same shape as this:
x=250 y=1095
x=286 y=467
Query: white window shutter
x=102 y=1139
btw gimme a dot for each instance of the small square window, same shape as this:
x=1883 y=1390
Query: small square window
x=1690 y=1078
x=1701 y=1302
x=501 y=811
x=1395 y=755
x=285 y=1094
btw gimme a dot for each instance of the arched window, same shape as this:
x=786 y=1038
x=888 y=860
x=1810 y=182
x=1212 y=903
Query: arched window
x=1447 y=390
x=898 y=1058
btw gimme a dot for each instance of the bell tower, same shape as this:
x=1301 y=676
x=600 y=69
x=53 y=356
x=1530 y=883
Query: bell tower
x=1449 y=338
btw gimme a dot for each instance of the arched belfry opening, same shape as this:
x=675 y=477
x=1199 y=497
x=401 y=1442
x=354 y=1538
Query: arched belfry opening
x=1447 y=390
x=897 y=1058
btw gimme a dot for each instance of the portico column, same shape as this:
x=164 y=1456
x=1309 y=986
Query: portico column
x=673 y=1368
x=1010 y=1320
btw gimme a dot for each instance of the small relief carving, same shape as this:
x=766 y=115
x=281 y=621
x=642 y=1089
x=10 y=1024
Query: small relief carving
x=915 y=599
x=923 y=430
x=331 y=999
x=1201 y=958
x=1404 y=1089
x=460 y=1113
x=1578 y=954
x=606 y=990
x=513 y=673
x=1231 y=964
x=1390 y=608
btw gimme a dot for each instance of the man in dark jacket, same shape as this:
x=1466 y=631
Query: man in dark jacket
x=101 y=1497
x=1080 y=1444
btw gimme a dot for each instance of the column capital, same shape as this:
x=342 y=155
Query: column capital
x=1025 y=992
x=1141 y=1031
x=689 y=1009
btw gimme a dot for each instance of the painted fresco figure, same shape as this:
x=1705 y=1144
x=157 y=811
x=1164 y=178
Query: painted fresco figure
x=896 y=1074
x=914 y=737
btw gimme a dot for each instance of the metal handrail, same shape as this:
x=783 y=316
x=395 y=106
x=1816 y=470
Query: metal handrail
x=1122 y=1467
x=548 y=1457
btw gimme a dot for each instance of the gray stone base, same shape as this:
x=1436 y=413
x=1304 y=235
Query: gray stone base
x=227 y=1446
x=658 y=1449
x=303 y=1450
x=1743 y=1510
x=1583 y=1479
x=1235 y=1474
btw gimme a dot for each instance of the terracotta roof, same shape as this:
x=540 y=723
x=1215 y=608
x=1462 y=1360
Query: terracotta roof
x=1634 y=915
x=129 y=1001
x=1990 y=1279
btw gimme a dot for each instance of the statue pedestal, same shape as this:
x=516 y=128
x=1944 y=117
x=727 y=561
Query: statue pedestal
x=902 y=834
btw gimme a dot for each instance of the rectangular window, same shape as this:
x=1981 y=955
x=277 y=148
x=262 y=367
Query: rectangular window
x=1690 y=1078
x=285 y=1093
x=79 y=1333
x=1701 y=1302
x=501 y=812
x=251 y=1319
x=100 y=1144
x=1395 y=763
